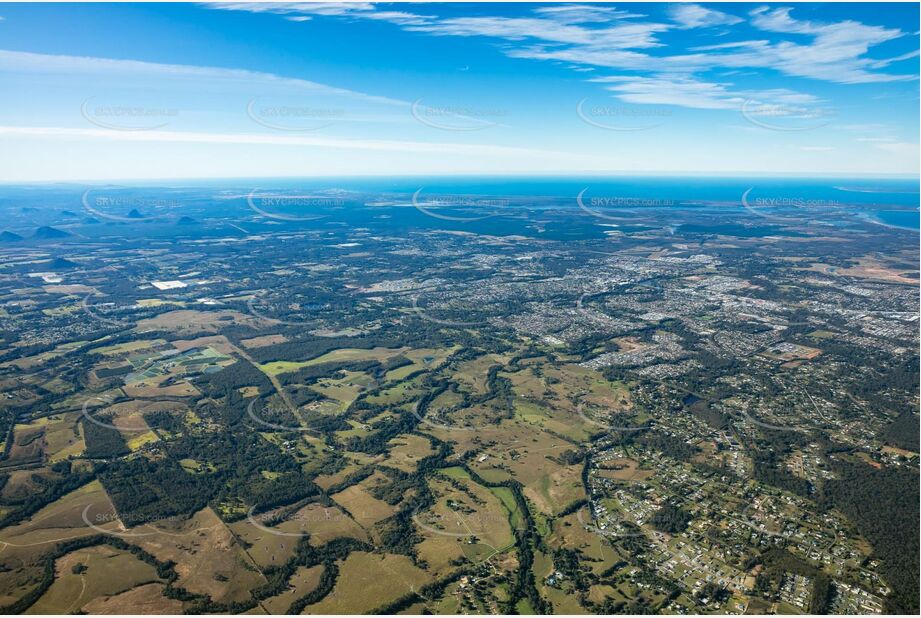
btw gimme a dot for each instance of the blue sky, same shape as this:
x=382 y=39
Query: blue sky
x=142 y=91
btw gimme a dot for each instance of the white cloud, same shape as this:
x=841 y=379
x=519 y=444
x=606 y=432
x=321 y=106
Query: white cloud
x=869 y=127
x=903 y=149
x=31 y=63
x=593 y=57
x=284 y=8
x=696 y=16
x=879 y=64
x=672 y=90
x=688 y=91
x=584 y=13
x=252 y=139
x=557 y=24
x=780 y=20
x=836 y=52
x=593 y=36
x=401 y=18
x=626 y=35
x=304 y=11
x=562 y=32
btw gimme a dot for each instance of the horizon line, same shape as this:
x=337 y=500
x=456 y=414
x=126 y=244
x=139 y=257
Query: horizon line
x=543 y=175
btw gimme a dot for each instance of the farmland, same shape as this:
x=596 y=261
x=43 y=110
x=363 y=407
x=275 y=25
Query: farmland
x=452 y=421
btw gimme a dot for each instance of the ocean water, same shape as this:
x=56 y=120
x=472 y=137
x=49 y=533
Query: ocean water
x=899 y=191
x=909 y=220
x=893 y=201
x=860 y=191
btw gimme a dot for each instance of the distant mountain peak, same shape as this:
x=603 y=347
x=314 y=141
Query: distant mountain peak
x=60 y=263
x=46 y=231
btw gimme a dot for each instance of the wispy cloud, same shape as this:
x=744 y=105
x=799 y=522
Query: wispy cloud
x=837 y=52
x=696 y=16
x=881 y=64
x=585 y=13
x=686 y=91
x=905 y=149
x=672 y=90
x=314 y=8
x=604 y=37
x=31 y=63
x=268 y=139
x=626 y=35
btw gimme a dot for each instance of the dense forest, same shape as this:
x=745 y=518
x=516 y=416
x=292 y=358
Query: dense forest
x=884 y=505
